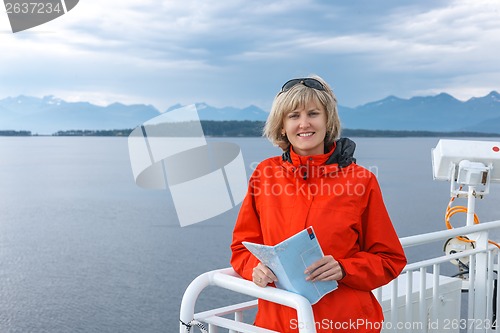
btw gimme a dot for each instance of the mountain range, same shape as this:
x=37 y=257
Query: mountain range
x=442 y=113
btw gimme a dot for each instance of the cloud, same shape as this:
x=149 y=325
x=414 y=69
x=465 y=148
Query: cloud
x=239 y=52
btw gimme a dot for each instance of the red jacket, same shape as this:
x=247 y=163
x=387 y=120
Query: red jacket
x=346 y=209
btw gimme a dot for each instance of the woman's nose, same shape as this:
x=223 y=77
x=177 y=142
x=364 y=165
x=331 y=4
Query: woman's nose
x=303 y=122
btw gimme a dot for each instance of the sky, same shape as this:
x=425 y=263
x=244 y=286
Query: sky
x=239 y=53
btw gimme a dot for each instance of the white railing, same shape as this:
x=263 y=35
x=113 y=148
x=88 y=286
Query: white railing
x=228 y=279
x=420 y=301
x=417 y=301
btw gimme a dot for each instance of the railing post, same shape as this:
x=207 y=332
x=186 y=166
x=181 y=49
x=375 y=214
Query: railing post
x=238 y=317
x=189 y=299
x=409 y=301
x=422 y=310
x=394 y=304
x=480 y=283
x=435 y=293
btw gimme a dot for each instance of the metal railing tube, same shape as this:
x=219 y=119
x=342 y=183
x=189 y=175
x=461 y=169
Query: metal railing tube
x=228 y=279
x=305 y=316
x=189 y=299
x=438 y=235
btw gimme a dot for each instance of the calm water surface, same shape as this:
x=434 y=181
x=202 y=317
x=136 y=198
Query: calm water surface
x=83 y=249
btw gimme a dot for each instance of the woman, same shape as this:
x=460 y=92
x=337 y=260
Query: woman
x=317 y=183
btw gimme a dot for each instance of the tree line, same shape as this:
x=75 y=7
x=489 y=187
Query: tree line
x=246 y=128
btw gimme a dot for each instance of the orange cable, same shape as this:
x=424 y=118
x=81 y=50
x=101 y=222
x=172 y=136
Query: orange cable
x=450 y=211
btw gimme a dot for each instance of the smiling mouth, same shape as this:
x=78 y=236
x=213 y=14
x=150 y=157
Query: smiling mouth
x=304 y=135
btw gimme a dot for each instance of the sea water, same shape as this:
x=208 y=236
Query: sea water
x=83 y=249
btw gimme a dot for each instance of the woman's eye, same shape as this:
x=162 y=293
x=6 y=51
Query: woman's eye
x=313 y=114
x=293 y=116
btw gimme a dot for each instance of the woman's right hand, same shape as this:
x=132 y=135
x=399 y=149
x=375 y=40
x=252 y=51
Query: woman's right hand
x=262 y=275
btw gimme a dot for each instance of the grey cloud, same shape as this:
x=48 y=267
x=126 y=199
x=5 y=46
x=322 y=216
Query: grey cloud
x=239 y=52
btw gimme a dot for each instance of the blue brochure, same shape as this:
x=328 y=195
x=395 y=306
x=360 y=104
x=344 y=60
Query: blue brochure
x=289 y=259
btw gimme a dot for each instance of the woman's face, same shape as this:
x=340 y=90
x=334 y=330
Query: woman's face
x=305 y=128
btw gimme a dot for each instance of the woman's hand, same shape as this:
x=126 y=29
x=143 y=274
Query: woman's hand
x=262 y=275
x=325 y=269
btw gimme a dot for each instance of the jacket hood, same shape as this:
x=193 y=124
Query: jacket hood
x=343 y=155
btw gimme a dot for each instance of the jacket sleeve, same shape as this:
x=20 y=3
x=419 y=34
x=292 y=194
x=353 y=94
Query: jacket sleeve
x=247 y=228
x=381 y=257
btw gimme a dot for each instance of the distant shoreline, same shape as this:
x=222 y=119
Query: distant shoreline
x=212 y=128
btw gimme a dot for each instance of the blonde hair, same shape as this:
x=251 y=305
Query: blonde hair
x=296 y=97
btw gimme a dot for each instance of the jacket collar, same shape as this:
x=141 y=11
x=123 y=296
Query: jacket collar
x=342 y=154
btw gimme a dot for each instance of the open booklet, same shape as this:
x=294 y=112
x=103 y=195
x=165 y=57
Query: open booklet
x=288 y=261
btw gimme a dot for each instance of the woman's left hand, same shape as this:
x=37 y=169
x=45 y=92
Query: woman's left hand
x=325 y=269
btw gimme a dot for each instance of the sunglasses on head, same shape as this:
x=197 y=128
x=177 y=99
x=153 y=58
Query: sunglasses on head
x=308 y=82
